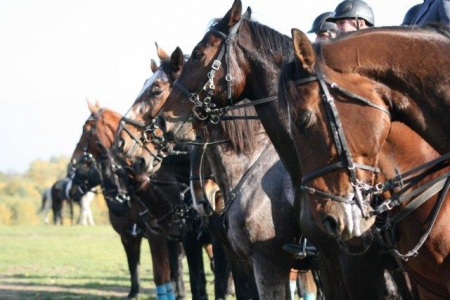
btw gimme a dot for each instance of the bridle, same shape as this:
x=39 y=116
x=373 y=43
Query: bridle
x=362 y=190
x=205 y=109
x=403 y=182
x=98 y=165
x=83 y=180
x=148 y=135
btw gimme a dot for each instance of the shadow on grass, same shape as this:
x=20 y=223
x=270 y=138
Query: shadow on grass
x=14 y=287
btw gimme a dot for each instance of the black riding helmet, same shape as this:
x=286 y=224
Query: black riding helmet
x=411 y=14
x=353 y=9
x=320 y=23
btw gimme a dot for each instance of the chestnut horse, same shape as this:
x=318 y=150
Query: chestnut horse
x=95 y=165
x=239 y=59
x=344 y=98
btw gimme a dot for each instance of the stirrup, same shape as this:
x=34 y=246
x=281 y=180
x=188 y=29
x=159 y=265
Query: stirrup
x=301 y=250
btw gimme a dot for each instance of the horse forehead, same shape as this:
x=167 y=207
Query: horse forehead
x=159 y=74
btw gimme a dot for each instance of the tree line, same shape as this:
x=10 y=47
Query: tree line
x=21 y=194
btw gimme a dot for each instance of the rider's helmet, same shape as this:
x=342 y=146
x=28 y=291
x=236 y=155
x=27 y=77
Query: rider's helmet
x=411 y=14
x=320 y=23
x=353 y=9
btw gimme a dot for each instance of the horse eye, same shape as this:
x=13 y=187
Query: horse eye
x=305 y=119
x=198 y=55
x=156 y=92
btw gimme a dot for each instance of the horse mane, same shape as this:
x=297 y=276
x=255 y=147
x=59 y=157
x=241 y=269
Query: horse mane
x=240 y=132
x=267 y=38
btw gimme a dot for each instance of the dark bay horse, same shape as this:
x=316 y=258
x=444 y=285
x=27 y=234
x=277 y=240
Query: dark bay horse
x=346 y=99
x=55 y=198
x=239 y=59
x=95 y=165
x=136 y=139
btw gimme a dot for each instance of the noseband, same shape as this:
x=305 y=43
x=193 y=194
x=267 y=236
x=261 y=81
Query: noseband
x=148 y=135
x=361 y=189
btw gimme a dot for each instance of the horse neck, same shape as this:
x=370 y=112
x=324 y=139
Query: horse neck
x=261 y=83
x=400 y=63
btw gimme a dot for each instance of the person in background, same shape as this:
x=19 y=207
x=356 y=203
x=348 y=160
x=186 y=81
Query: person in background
x=433 y=11
x=352 y=15
x=324 y=30
x=410 y=15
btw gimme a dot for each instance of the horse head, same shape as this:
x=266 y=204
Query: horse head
x=139 y=141
x=339 y=123
x=93 y=163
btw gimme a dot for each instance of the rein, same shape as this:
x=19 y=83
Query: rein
x=201 y=176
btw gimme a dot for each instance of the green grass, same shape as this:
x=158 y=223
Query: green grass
x=64 y=262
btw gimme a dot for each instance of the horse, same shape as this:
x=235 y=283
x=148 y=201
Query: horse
x=154 y=92
x=248 y=254
x=55 y=198
x=394 y=175
x=238 y=59
x=94 y=165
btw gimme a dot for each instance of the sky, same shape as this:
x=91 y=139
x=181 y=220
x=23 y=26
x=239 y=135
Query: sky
x=55 y=55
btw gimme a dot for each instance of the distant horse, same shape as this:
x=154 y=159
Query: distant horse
x=54 y=198
x=240 y=59
x=344 y=98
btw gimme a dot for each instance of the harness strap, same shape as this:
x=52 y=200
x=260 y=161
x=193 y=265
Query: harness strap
x=362 y=99
x=422 y=240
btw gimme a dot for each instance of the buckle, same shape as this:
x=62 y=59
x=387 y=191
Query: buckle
x=216 y=65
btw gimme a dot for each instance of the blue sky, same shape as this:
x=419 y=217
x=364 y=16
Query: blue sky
x=55 y=54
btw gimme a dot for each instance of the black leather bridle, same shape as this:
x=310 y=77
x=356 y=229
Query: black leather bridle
x=362 y=190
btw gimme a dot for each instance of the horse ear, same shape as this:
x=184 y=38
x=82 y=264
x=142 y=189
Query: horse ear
x=92 y=107
x=232 y=17
x=303 y=50
x=177 y=59
x=153 y=65
x=161 y=53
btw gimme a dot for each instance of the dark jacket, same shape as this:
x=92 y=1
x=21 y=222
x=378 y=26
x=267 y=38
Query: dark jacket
x=433 y=11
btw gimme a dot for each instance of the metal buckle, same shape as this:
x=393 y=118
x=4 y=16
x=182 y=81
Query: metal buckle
x=216 y=65
x=193 y=97
x=200 y=112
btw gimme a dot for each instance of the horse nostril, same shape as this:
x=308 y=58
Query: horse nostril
x=331 y=225
x=139 y=164
x=161 y=123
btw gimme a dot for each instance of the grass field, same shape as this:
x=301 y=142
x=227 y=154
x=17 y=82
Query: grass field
x=71 y=262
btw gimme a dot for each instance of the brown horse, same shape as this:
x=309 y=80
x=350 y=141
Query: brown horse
x=259 y=220
x=344 y=98
x=239 y=59
x=95 y=165
x=134 y=132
